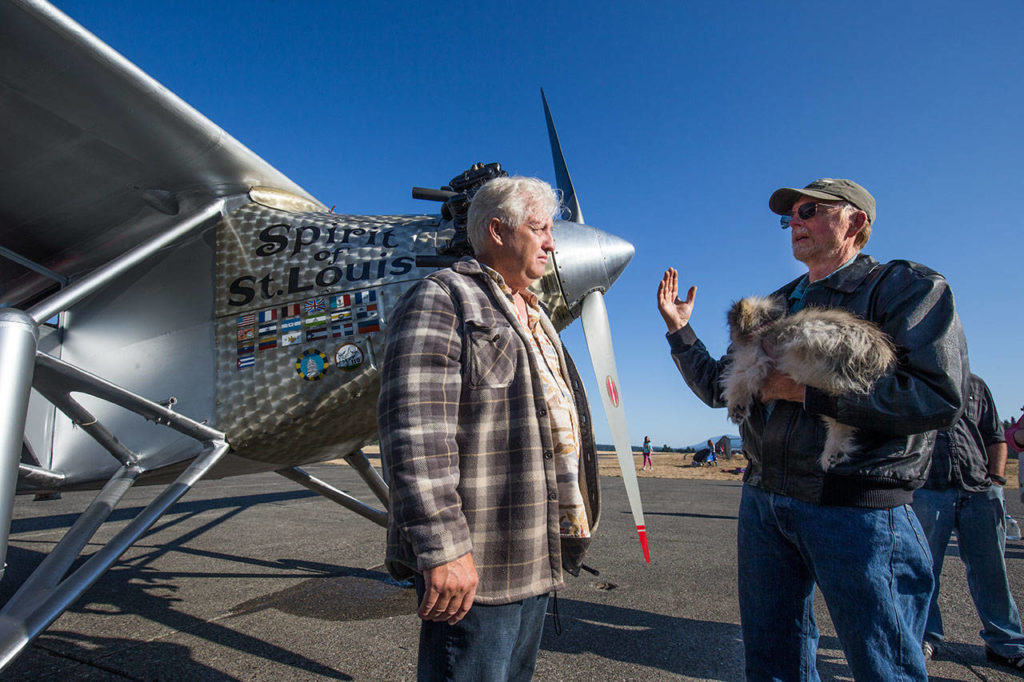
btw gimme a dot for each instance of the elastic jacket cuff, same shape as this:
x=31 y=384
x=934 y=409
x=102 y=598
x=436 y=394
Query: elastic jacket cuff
x=872 y=493
x=681 y=339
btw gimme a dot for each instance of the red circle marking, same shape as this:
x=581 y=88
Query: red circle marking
x=613 y=393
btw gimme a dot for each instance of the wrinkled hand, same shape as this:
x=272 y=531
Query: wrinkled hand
x=450 y=590
x=676 y=313
x=778 y=386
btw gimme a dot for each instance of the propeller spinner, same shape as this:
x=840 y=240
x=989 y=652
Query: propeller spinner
x=597 y=260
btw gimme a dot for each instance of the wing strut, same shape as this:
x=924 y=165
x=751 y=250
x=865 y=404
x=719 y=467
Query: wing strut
x=19 y=337
x=65 y=298
x=321 y=487
x=47 y=593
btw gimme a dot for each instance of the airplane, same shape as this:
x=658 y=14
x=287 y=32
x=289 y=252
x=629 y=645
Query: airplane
x=173 y=308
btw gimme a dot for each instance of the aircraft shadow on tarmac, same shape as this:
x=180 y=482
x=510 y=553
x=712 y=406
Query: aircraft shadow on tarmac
x=1015 y=551
x=153 y=661
x=688 y=515
x=679 y=646
x=135 y=586
x=52 y=522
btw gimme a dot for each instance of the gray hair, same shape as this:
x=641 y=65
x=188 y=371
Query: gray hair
x=512 y=200
x=865 y=232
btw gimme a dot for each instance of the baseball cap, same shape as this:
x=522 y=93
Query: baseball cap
x=826 y=189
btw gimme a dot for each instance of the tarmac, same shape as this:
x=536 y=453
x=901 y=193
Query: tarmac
x=253 y=578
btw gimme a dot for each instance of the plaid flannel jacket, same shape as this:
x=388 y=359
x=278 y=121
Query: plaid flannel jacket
x=465 y=440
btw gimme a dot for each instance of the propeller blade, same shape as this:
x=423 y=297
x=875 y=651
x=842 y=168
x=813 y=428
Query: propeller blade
x=599 y=343
x=599 y=337
x=562 y=178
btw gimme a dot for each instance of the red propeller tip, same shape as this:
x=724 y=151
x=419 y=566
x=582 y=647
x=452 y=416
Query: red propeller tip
x=642 y=532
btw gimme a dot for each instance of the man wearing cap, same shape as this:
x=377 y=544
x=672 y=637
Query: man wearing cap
x=848 y=529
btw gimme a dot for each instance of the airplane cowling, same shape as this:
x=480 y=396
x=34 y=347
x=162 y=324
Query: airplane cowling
x=302 y=303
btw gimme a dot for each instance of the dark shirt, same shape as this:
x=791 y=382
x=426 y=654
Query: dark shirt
x=960 y=459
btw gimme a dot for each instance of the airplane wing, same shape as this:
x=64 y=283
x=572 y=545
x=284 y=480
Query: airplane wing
x=85 y=178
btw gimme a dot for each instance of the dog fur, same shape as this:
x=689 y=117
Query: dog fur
x=828 y=348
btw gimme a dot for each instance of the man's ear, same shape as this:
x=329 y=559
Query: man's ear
x=857 y=222
x=497 y=230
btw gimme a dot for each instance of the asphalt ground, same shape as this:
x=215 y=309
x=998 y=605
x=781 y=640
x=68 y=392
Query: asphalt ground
x=253 y=578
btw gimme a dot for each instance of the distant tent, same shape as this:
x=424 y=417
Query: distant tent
x=735 y=444
x=724 y=444
x=702 y=456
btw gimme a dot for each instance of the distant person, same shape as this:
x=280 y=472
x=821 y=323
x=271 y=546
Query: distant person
x=964 y=493
x=1015 y=441
x=1015 y=435
x=848 y=529
x=646 y=449
x=712 y=458
x=481 y=441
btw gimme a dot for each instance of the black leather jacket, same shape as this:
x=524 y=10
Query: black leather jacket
x=960 y=457
x=895 y=422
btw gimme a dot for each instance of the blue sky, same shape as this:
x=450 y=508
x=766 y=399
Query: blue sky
x=677 y=120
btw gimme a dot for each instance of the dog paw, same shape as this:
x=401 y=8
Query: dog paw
x=738 y=415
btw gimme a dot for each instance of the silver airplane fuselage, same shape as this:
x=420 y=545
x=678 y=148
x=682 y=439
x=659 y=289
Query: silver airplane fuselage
x=268 y=327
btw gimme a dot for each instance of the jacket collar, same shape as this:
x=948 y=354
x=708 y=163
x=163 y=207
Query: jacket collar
x=845 y=280
x=467 y=265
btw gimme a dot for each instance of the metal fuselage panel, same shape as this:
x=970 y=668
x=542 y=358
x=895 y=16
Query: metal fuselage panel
x=302 y=303
x=152 y=333
x=268 y=328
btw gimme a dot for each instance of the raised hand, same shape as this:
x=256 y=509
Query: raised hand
x=676 y=313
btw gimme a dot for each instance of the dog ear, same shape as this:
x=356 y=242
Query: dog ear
x=734 y=318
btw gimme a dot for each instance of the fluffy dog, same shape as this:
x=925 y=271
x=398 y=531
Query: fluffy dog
x=830 y=349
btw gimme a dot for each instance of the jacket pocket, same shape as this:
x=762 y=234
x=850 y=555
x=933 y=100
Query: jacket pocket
x=492 y=356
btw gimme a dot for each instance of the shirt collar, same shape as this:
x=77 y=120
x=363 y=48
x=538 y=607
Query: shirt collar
x=528 y=296
x=805 y=282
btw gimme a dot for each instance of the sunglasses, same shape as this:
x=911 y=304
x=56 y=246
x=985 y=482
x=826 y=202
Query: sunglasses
x=806 y=212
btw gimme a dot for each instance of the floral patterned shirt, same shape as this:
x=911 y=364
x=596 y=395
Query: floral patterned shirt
x=562 y=413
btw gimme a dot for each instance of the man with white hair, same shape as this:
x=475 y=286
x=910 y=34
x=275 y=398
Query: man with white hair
x=481 y=442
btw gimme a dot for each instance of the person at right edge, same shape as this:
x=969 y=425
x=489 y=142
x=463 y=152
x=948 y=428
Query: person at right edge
x=849 y=529
x=964 y=492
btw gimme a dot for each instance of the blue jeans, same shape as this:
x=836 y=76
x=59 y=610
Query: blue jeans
x=871 y=565
x=979 y=520
x=491 y=643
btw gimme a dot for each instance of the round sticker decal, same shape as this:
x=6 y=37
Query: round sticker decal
x=311 y=365
x=348 y=357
